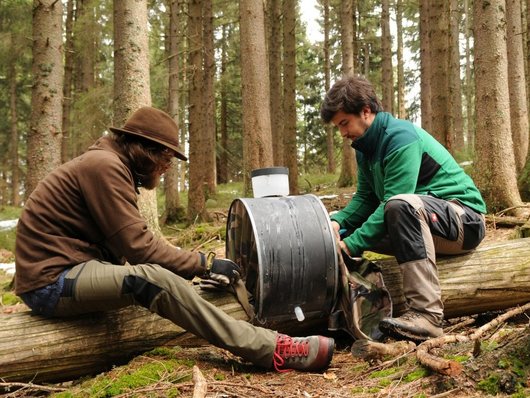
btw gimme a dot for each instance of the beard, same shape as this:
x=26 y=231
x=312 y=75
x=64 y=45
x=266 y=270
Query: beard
x=150 y=181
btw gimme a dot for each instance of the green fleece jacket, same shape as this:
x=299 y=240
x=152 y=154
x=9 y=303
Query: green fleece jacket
x=396 y=157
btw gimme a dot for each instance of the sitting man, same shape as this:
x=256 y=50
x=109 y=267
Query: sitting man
x=413 y=201
x=81 y=225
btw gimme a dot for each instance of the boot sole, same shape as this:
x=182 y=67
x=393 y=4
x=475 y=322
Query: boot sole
x=399 y=334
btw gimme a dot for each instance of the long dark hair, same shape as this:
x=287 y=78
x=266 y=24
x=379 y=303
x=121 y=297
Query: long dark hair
x=146 y=157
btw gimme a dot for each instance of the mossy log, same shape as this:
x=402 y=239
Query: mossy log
x=35 y=349
x=493 y=277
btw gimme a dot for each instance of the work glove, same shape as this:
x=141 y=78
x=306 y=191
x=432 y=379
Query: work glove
x=220 y=275
x=224 y=271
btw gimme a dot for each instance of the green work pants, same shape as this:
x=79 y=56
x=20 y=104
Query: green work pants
x=98 y=286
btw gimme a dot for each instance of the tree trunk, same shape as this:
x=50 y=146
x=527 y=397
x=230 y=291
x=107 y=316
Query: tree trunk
x=455 y=84
x=257 y=134
x=32 y=348
x=131 y=84
x=347 y=171
x=425 y=67
x=470 y=104
x=173 y=211
x=494 y=146
x=276 y=88
x=517 y=83
x=330 y=131
x=439 y=53
x=68 y=81
x=44 y=135
x=401 y=107
x=387 y=79
x=198 y=136
x=289 y=94
x=210 y=128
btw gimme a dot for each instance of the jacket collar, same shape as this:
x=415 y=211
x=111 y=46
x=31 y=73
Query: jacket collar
x=368 y=142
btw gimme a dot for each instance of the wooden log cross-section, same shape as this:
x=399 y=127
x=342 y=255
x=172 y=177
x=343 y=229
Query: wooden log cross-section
x=35 y=349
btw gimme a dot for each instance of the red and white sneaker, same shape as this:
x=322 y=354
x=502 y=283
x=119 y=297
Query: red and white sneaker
x=302 y=353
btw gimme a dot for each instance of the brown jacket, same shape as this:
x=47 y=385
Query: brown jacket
x=87 y=209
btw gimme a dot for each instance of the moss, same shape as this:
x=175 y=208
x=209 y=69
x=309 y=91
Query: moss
x=9 y=298
x=416 y=374
x=365 y=390
x=488 y=346
x=219 y=376
x=383 y=373
x=489 y=385
x=458 y=358
x=145 y=375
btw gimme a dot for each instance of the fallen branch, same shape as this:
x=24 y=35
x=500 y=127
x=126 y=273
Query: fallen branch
x=6 y=387
x=453 y=368
x=199 y=382
x=371 y=350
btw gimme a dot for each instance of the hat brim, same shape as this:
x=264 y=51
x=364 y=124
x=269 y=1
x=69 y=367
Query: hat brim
x=179 y=153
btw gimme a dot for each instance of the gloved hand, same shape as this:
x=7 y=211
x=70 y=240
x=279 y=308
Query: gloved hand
x=224 y=271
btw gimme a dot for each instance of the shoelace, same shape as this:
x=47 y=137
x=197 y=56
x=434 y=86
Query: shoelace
x=287 y=347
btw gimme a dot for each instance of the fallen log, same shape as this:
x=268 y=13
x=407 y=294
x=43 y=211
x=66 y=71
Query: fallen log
x=32 y=348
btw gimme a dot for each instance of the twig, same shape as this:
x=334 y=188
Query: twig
x=500 y=213
x=31 y=386
x=204 y=243
x=500 y=319
x=200 y=384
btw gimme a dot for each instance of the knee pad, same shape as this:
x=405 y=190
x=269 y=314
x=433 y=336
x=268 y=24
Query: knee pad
x=142 y=290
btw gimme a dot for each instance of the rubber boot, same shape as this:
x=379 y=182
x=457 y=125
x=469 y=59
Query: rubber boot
x=423 y=318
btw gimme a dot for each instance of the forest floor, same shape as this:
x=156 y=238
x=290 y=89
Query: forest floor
x=500 y=369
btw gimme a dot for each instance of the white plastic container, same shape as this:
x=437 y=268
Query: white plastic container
x=270 y=181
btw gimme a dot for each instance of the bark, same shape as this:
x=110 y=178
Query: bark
x=276 y=88
x=257 y=134
x=68 y=81
x=222 y=174
x=494 y=146
x=387 y=78
x=347 y=171
x=210 y=178
x=517 y=83
x=45 y=135
x=132 y=85
x=330 y=131
x=14 y=138
x=173 y=211
x=36 y=349
x=470 y=104
x=442 y=118
x=289 y=94
x=455 y=85
x=401 y=108
x=425 y=67
x=198 y=136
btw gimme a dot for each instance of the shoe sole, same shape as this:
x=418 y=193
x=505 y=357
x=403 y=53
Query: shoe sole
x=399 y=334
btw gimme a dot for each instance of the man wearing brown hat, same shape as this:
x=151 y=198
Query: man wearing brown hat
x=81 y=225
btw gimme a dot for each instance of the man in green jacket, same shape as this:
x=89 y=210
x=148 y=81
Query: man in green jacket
x=413 y=201
x=82 y=246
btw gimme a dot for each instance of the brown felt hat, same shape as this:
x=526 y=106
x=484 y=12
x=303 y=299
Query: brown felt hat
x=155 y=125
